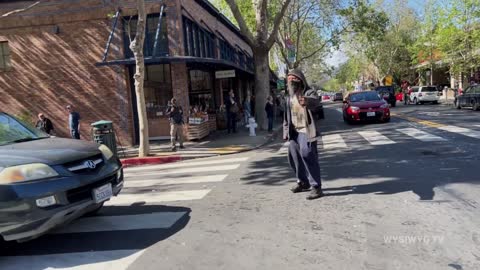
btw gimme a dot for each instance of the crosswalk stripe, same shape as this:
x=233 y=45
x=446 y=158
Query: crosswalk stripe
x=476 y=125
x=333 y=141
x=158 y=197
x=284 y=148
x=188 y=164
x=185 y=170
x=161 y=220
x=375 y=137
x=175 y=181
x=463 y=131
x=421 y=135
x=97 y=260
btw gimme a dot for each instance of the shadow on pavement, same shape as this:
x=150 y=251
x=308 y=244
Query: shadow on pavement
x=117 y=243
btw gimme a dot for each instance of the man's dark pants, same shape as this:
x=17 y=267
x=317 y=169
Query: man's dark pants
x=303 y=158
x=231 y=122
x=75 y=134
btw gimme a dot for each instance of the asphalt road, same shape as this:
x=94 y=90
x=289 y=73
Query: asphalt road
x=401 y=195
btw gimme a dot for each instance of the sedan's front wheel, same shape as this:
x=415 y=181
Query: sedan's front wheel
x=475 y=105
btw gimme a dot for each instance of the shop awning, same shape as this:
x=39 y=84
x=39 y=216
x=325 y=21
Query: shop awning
x=217 y=63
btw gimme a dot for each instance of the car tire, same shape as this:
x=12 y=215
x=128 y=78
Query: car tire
x=95 y=211
x=415 y=101
x=475 y=106
x=386 y=120
x=435 y=102
x=457 y=105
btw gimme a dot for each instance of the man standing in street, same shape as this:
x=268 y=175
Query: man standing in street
x=73 y=122
x=175 y=113
x=300 y=130
x=44 y=124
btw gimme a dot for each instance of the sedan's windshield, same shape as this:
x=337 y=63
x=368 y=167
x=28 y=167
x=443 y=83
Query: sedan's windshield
x=14 y=131
x=366 y=96
x=429 y=89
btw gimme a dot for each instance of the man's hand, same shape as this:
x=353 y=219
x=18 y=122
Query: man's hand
x=302 y=101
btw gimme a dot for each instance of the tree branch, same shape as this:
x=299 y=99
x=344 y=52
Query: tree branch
x=20 y=10
x=276 y=23
x=241 y=22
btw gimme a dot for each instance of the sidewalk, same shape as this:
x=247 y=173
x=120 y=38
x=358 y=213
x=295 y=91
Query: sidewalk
x=215 y=144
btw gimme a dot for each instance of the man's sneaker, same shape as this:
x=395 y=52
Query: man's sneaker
x=182 y=147
x=315 y=193
x=299 y=188
x=174 y=148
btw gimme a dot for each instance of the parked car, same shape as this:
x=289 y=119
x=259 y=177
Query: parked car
x=387 y=93
x=422 y=94
x=338 y=96
x=365 y=106
x=469 y=98
x=46 y=182
x=325 y=97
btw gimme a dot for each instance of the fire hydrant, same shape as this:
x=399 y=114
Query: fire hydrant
x=252 y=125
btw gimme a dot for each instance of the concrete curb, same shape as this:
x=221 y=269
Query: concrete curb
x=154 y=160
x=131 y=162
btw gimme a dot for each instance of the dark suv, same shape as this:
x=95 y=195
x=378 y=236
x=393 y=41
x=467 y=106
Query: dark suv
x=469 y=98
x=46 y=182
x=387 y=93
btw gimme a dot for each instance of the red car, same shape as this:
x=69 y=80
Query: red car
x=325 y=97
x=365 y=106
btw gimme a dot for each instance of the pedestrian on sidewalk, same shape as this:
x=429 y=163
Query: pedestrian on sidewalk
x=300 y=130
x=44 y=124
x=175 y=114
x=270 y=113
x=73 y=122
x=247 y=108
x=232 y=109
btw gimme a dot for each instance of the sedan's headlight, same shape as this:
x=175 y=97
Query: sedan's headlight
x=27 y=172
x=353 y=108
x=384 y=106
x=107 y=153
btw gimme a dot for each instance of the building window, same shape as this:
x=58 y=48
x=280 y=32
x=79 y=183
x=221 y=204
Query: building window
x=198 y=41
x=158 y=89
x=5 y=62
x=201 y=90
x=130 y=29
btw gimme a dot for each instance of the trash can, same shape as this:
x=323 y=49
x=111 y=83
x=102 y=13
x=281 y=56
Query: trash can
x=102 y=133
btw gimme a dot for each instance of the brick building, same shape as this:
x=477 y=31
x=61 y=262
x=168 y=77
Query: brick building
x=54 y=54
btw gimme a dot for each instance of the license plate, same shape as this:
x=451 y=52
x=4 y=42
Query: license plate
x=370 y=113
x=102 y=193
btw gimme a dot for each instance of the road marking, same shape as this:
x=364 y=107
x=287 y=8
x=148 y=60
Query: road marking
x=174 y=181
x=416 y=120
x=284 y=148
x=97 y=260
x=339 y=110
x=476 y=125
x=161 y=220
x=187 y=164
x=463 y=131
x=375 y=138
x=158 y=197
x=186 y=170
x=333 y=141
x=421 y=135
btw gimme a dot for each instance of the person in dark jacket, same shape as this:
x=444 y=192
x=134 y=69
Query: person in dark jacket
x=73 y=122
x=232 y=111
x=269 y=110
x=300 y=129
x=44 y=124
x=175 y=113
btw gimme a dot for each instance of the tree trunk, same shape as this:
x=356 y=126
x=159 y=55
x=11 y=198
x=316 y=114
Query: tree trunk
x=137 y=48
x=262 y=86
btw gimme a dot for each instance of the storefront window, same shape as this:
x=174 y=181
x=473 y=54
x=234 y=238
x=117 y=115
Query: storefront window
x=201 y=90
x=158 y=90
